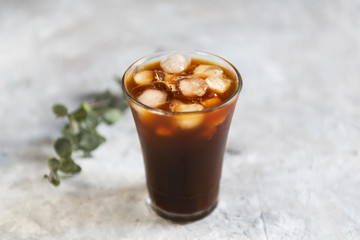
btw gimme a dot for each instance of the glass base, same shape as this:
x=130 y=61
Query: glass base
x=181 y=217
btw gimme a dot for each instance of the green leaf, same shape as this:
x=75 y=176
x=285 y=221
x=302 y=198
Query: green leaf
x=69 y=166
x=53 y=178
x=59 y=110
x=90 y=140
x=63 y=147
x=73 y=125
x=83 y=111
x=112 y=115
x=80 y=131
x=68 y=133
x=79 y=114
x=86 y=106
x=91 y=121
x=53 y=164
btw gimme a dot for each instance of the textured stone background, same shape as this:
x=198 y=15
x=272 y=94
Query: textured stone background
x=292 y=169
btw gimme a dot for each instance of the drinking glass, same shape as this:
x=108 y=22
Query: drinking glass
x=183 y=151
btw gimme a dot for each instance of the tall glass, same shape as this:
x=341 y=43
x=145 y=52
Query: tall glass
x=183 y=152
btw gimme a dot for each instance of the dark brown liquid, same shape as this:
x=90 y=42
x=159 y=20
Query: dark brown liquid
x=183 y=161
x=183 y=170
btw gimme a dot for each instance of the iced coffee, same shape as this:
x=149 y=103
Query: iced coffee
x=182 y=103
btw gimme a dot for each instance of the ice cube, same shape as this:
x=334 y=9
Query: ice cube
x=143 y=77
x=187 y=120
x=218 y=84
x=192 y=87
x=178 y=106
x=138 y=90
x=164 y=131
x=211 y=102
x=143 y=114
x=175 y=63
x=208 y=70
x=153 y=97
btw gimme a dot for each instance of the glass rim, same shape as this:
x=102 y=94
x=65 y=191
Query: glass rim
x=165 y=53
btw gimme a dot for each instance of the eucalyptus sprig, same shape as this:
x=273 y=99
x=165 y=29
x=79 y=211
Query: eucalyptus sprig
x=79 y=132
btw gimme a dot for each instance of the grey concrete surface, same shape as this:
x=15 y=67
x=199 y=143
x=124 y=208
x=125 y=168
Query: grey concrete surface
x=292 y=168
